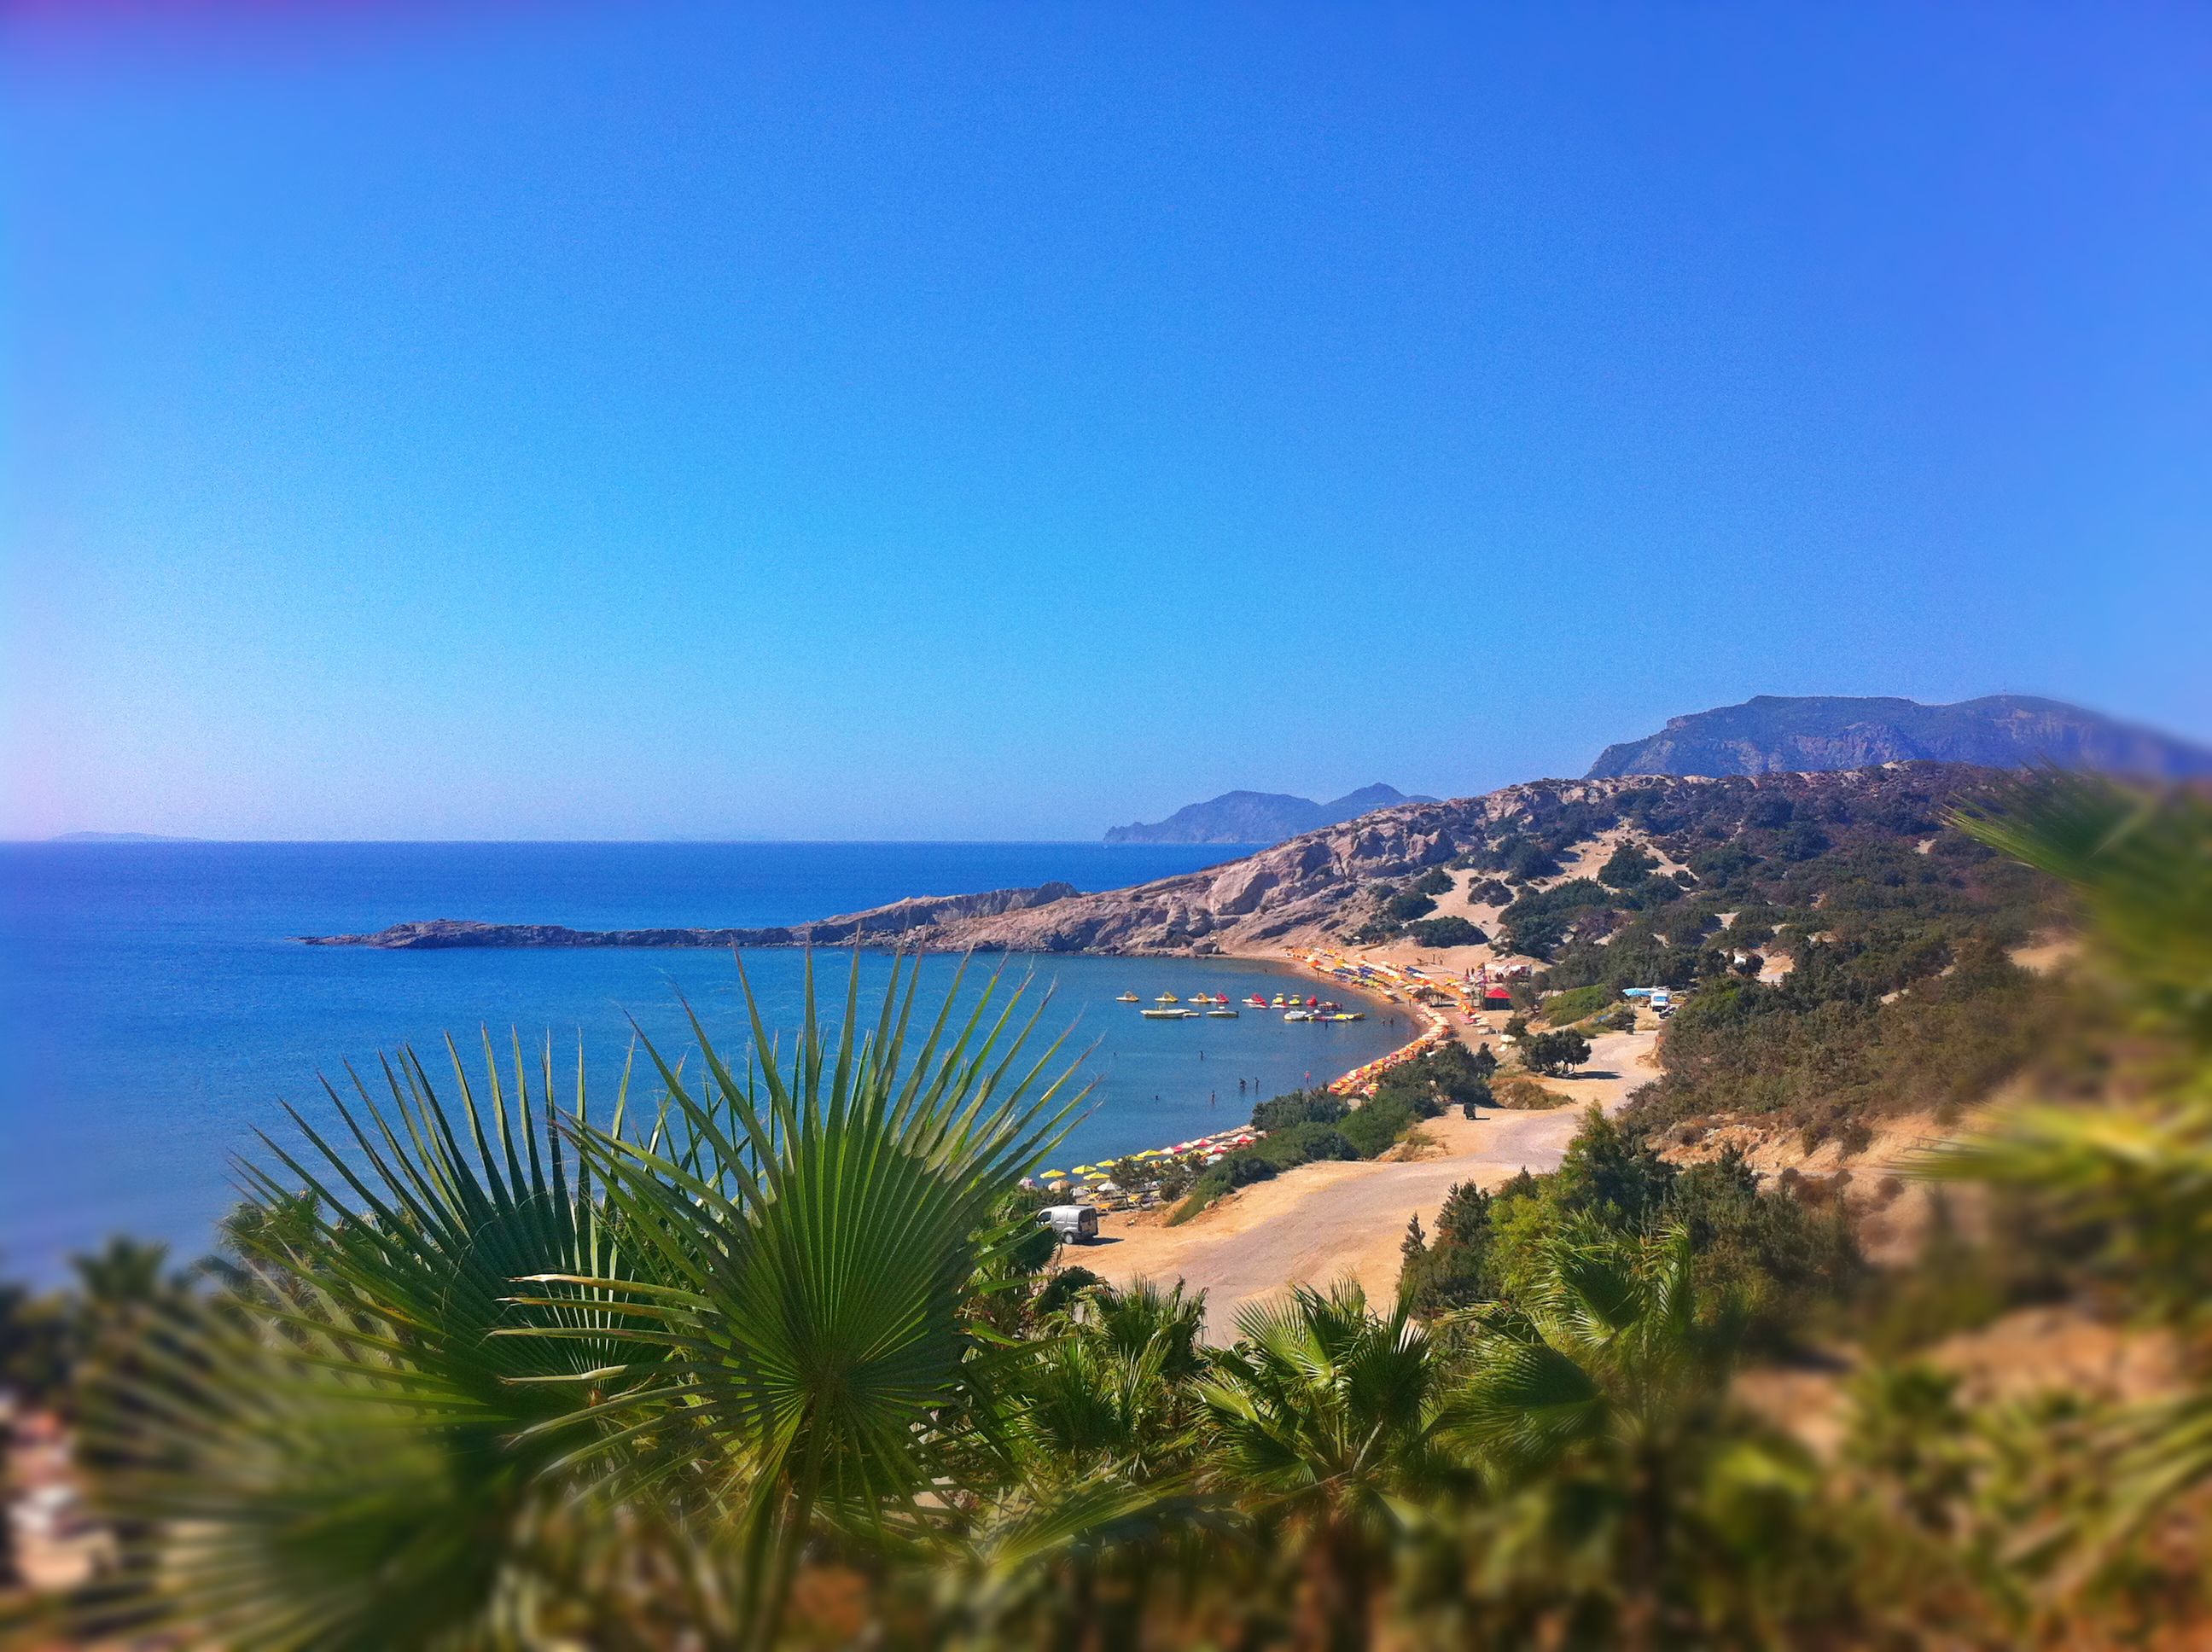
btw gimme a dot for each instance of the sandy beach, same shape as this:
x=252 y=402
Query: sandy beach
x=1319 y=1222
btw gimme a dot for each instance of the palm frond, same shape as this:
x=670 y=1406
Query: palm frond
x=340 y=1450
x=815 y=1229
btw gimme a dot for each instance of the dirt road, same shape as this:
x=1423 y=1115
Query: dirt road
x=1321 y=1221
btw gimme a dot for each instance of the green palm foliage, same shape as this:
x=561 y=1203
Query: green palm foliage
x=814 y=1235
x=2135 y=1170
x=1115 y=1387
x=1633 y=1507
x=528 y=1376
x=2140 y=862
x=1328 y=1423
x=340 y=1450
x=1075 y=1498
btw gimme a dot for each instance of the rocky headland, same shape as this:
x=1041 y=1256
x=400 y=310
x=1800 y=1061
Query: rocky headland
x=1323 y=886
x=1315 y=887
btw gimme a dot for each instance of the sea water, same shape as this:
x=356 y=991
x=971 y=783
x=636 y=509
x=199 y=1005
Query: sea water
x=157 y=1007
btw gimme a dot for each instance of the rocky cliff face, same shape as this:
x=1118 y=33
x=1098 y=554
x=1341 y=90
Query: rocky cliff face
x=1311 y=888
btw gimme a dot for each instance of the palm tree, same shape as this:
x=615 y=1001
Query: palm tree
x=343 y=1451
x=1635 y=1509
x=1326 y=1424
x=125 y=1279
x=694 y=1342
x=1072 y=1497
x=2136 y=1169
x=815 y=1236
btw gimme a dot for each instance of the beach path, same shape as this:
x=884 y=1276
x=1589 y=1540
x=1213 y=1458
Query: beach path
x=1320 y=1222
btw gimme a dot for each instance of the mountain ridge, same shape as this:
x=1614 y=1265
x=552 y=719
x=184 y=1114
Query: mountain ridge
x=1260 y=816
x=1770 y=734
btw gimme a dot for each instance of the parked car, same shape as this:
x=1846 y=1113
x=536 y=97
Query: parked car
x=1073 y=1224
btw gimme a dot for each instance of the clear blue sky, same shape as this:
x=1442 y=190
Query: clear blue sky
x=648 y=420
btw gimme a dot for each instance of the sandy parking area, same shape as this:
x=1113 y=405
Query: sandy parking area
x=1321 y=1221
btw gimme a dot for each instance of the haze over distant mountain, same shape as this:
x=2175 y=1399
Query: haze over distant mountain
x=1258 y=816
x=1784 y=734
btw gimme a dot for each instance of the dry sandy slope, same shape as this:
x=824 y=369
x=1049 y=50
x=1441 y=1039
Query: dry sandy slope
x=1321 y=1221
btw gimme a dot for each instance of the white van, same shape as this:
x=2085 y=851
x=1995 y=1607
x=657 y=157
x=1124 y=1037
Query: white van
x=1072 y=1223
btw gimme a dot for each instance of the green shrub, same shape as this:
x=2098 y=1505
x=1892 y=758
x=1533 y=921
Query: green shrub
x=1537 y=922
x=1407 y=905
x=1576 y=1004
x=1376 y=1128
x=1431 y=1082
x=1303 y=1143
x=1240 y=1169
x=1628 y=867
x=1299 y=1106
x=1060 y=1289
x=1447 y=931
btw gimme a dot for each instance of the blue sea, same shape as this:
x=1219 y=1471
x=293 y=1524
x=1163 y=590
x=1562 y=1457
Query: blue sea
x=157 y=1007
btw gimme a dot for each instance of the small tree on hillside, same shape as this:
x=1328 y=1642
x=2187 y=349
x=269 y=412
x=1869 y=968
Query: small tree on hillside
x=1555 y=1054
x=1414 y=1245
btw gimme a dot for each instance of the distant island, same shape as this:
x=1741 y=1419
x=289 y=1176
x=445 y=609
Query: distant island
x=1260 y=816
x=1777 y=734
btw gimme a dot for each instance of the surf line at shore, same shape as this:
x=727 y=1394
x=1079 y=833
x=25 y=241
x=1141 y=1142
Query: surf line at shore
x=1436 y=1029
x=1359 y=1082
x=1357 y=1085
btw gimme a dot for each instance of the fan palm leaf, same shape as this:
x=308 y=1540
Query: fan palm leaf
x=1329 y=1422
x=338 y=1450
x=816 y=1226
